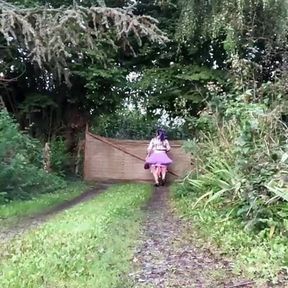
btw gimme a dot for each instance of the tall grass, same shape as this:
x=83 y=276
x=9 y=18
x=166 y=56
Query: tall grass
x=241 y=162
x=240 y=182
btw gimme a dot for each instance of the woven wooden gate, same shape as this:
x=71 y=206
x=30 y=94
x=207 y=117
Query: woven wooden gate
x=123 y=160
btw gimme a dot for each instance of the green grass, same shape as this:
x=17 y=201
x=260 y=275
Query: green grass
x=15 y=210
x=90 y=245
x=253 y=255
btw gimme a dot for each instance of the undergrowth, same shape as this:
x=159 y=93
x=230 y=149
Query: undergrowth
x=238 y=188
x=21 y=173
x=90 y=245
x=253 y=256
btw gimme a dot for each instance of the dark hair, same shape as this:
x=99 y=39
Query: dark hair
x=162 y=135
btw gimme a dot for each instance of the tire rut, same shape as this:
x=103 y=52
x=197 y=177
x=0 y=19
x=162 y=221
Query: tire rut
x=165 y=258
x=32 y=222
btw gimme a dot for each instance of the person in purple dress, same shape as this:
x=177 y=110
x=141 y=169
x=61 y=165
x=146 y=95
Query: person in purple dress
x=157 y=157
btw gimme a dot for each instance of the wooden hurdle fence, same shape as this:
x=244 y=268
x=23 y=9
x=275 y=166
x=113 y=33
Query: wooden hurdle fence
x=109 y=159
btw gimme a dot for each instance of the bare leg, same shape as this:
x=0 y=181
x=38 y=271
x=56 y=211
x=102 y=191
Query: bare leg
x=155 y=173
x=164 y=171
x=159 y=175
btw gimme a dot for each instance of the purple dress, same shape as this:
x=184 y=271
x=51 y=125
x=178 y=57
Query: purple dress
x=159 y=155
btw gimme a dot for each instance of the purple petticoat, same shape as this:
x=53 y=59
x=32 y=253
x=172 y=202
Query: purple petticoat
x=159 y=158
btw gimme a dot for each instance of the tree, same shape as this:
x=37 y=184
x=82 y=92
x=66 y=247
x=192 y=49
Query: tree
x=253 y=31
x=51 y=37
x=173 y=77
x=41 y=44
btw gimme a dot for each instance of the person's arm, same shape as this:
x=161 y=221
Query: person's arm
x=150 y=148
x=167 y=145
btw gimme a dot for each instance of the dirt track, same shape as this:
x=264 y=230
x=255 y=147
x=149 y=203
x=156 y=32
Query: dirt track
x=166 y=258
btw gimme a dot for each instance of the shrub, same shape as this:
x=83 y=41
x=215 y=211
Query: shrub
x=21 y=174
x=60 y=157
x=241 y=163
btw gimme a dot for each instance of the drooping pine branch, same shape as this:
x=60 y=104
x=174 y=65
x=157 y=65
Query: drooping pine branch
x=52 y=36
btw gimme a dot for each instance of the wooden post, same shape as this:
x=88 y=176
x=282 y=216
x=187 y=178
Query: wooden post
x=47 y=158
x=81 y=144
x=2 y=103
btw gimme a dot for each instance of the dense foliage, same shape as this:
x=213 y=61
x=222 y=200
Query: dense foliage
x=237 y=191
x=240 y=160
x=220 y=79
x=62 y=65
x=21 y=173
x=127 y=124
x=240 y=145
x=226 y=56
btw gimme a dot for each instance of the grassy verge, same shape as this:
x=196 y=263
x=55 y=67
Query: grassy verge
x=254 y=256
x=13 y=211
x=90 y=245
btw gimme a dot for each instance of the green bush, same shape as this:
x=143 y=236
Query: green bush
x=60 y=157
x=241 y=163
x=237 y=192
x=21 y=174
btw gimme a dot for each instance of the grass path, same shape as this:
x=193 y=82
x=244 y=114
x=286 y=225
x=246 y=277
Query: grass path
x=26 y=215
x=122 y=238
x=13 y=212
x=89 y=245
x=262 y=259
